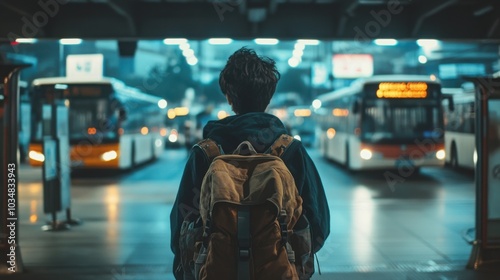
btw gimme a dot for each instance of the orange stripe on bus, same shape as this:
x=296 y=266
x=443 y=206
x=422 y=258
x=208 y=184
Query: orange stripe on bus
x=395 y=151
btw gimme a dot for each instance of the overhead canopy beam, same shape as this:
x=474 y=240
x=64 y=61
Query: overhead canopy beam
x=431 y=12
x=493 y=29
x=348 y=12
x=106 y=19
x=25 y=18
x=123 y=9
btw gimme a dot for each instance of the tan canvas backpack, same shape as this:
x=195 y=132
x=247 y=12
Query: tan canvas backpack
x=249 y=206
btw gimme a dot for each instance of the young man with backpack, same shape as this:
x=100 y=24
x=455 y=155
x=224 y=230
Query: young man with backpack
x=266 y=202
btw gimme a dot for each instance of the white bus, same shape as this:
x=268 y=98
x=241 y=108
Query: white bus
x=460 y=139
x=383 y=122
x=111 y=125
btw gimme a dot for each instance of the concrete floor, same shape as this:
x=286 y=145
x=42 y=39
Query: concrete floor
x=412 y=232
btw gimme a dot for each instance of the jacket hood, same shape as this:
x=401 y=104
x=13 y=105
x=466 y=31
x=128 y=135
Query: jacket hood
x=261 y=129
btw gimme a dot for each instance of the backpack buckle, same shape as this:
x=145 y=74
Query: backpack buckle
x=206 y=233
x=244 y=254
x=283 y=227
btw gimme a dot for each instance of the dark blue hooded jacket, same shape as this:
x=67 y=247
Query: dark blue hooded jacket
x=261 y=129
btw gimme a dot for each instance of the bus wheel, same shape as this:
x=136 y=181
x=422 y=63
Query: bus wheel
x=454 y=157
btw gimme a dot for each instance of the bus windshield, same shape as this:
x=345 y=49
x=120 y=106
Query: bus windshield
x=91 y=118
x=389 y=121
x=90 y=114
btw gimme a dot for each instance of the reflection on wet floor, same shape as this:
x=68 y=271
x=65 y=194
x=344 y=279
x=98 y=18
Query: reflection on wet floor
x=413 y=229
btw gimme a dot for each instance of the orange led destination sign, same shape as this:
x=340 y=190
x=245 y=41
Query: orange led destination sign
x=340 y=112
x=402 y=90
x=80 y=91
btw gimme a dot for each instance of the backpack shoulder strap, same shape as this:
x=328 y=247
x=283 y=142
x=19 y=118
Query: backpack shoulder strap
x=210 y=148
x=280 y=144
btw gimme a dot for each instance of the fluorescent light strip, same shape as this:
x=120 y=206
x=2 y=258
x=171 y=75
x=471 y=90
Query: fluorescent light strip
x=293 y=62
x=266 y=41
x=220 y=41
x=427 y=43
x=299 y=46
x=310 y=42
x=386 y=42
x=188 y=53
x=70 y=41
x=184 y=46
x=174 y=41
x=297 y=52
x=26 y=40
x=192 y=60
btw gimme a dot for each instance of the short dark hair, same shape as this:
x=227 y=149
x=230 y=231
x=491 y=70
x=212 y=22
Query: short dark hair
x=249 y=81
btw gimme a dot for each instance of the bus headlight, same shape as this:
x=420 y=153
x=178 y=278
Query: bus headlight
x=36 y=156
x=366 y=154
x=158 y=143
x=330 y=133
x=474 y=157
x=107 y=156
x=172 y=138
x=440 y=154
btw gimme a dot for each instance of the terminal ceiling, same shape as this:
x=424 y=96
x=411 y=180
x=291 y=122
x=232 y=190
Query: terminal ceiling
x=127 y=20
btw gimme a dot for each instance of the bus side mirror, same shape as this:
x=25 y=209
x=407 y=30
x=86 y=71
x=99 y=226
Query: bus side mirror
x=451 y=105
x=122 y=114
x=356 y=106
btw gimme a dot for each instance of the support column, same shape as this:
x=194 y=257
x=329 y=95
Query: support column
x=486 y=246
x=10 y=253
